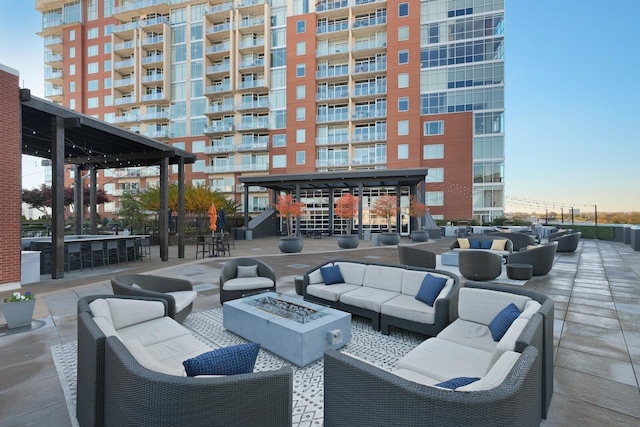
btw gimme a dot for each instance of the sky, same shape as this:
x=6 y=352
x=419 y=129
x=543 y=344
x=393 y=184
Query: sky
x=571 y=96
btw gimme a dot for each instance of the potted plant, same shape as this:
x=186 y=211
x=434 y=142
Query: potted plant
x=18 y=309
x=289 y=209
x=386 y=206
x=347 y=208
x=418 y=210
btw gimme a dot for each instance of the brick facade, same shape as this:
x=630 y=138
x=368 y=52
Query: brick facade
x=10 y=178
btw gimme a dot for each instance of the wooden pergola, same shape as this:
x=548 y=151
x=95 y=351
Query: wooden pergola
x=67 y=137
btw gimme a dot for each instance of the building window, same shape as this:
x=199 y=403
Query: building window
x=92 y=67
x=403 y=127
x=434 y=198
x=300 y=70
x=433 y=151
x=300 y=114
x=72 y=35
x=108 y=8
x=108 y=29
x=72 y=52
x=403 y=9
x=72 y=69
x=434 y=128
x=108 y=100
x=300 y=157
x=435 y=175
x=403 y=57
x=92 y=33
x=301 y=92
x=197 y=146
x=107 y=48
x=301 y=27
x=403 y=151
x=403 y=80
x=403 y=103
x=72 y=86
x=107 y=65
x=301 y=48
x=93 y=102
x=301 y=135
x=72 y=103
x=107 y=83
x=279 y=140
x=198 y=166
x=403 y=33
x=198 y=182
x=279 y=161
x=92 y=85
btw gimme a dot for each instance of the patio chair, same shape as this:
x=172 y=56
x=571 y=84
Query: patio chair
x=415 y=256
x=236 y=281
x=479 y=264
x=540 y=257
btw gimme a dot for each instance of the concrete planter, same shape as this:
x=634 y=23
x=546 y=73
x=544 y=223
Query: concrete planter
x=389 y=238
x=290 y=245
x=419 y=236
x=19 y=313
x=348 y=241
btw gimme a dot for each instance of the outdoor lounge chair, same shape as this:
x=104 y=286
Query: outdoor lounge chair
x=237 y=278
x=416 y=256
x=541 y=257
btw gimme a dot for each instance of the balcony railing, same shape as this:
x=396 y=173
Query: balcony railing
x=157 y=96
x=139 y=4
x=219 y=47
x=236 y=168
x=333 y=72
x=219 y=68
x=342 y=92
x=126 y=118
x=258 y=144
x=220 y=107
x=219 y=28
x=334 y=139
x=130 y=44
x=124 y=82
x=226 y=147
x=331 y=5
x=370 y=67
x=262 y=123
x=157 y=134
x=332 y=28
x=152 y=40
x=368 y=22
x=53 y=75
x=370 y=113
x=255 y=104
x=156 y=115
x=248 y=84
x=370 y=136
x=331 y=162
x=217 y=88
x=369 y=44
x=155 y=77
x=154 y=21
x=371 y=160
x=219 y=127
x=151 y=59
x=53 y=57
x=125 y=100
x=51 y=40
x=125 y=63
x=332 y=117
x=219 y=8
x=244 y=23
x=370 y=90
x=252 y=64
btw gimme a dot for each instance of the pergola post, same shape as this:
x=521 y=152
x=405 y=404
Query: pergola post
x=57 y=205
x=360 y=194
x=93 y=201
x=163 y=227
x=77 y=200
x=180 y=226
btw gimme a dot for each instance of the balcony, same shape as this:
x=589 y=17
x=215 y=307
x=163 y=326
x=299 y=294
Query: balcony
x=219 y=10
x=224 y=68
x=157 y=134
x=125 y=28
x=248 y=25
x=368 y=22
x=53 y=93
x=252 y=45
x=369 y=160
x=326 y=163
x=152 y=24
x=261 y=123
x=220 y=107
x=131 y=99
x=125 y=48
x=218 y=50
x=260 y=143
x=137 y=7
x=218 y=128
x=53 y=41
x=252 y=6
x=54 y=77
x=333 y=94
x=373 y=45
x=153 y=78
x=150 y=171
x=327 y=6
x=217 y=29
x=217 y=88
x=155 y=41
x=247 y=65
x=225 y=147
x=372 y=90
x=332 y=117
x=54 y=60
x=124 y=83
x=252 y=84
x=370 y=137
x=333 y=72
x=152 y=59
x=370 y=67
x=332 y=28
x=126 y=118
x=333 y=52
x=332 y=140
x=125 y=64
x=371 y=113
x=256 y=104
x=153 y=97
x=255 y=167
x=156 y=116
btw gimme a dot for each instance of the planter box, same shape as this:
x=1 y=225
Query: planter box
x=18 y=314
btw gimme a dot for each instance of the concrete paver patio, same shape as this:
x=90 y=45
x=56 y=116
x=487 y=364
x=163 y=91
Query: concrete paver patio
x=597 y=326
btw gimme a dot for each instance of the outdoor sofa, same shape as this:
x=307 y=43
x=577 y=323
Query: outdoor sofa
x=507 y=382
x=385 y=294
x=483 y=242
x=519 y=240
x=130 y=373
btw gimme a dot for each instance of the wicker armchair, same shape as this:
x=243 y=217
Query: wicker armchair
x=265 y=281
x=478 y=264
x=178 y=293
x=567 y=242
x=416 y=256
x=136 y=396
x=541 y=257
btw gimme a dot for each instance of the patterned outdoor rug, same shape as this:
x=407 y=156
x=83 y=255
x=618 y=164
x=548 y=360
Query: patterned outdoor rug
x=308 y=385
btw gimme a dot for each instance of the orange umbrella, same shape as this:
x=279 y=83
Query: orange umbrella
x=213 y=217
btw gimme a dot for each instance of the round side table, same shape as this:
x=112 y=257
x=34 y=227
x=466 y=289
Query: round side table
x=298 y=281
x=519 y=271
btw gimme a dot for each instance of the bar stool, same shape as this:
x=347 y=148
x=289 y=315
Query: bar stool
x=98 y=248
x=74 y=255
x=113 y=252
x=145 y=247
x=130 y=248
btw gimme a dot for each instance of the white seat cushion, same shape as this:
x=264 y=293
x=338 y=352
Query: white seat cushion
x=330 y=292
x=414 y=376
x=409 y=308
x=246 y=283
x=470 y=334
x=442 y=360
x=153 y=331
x=482 y=305
x=352 y=272
x=367 y=298
x=183 y=298
x=385 y=278
x=496 y=374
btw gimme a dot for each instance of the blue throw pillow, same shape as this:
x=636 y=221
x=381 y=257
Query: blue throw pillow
x=236 y=359
x=486 y=244
x=331 y=275
x=474 y=244
x=503 y=321
x=430 y=289
x=454 y=383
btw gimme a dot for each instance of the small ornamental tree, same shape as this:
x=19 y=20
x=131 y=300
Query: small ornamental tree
x=288 y=209
x=386 y=206
x=417 y=210
x=347 y=208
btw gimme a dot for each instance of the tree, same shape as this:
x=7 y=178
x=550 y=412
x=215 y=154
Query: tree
x=288 y=209
x=417 y=209
x=42 y=198
x=386 y=206
x=347 y=208
x=131 y=212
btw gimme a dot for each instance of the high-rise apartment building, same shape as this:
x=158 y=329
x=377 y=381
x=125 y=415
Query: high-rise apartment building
x=292 y=86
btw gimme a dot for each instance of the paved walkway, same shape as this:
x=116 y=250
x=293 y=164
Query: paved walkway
x=597 y=330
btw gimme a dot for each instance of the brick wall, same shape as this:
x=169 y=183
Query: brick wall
x=10 y=177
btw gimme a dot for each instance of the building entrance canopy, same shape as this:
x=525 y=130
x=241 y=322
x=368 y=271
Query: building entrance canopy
x=67 y=137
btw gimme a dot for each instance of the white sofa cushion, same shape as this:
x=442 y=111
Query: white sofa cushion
x=183 y=298
x=143 y=357
x=316 y=277
x=331 y=292
x=471 y=334
x=414 y=376
x=105 y=326
x=482 y=305
x=412 y=280
x=125 y=312
x=367 y=298
x=496 y=374
x=508 y=341
x=530 y=308
x=381 y=277
x=247 y=283
x=153 y=331
x=409 y=308
x=442 y=360
x=352 y=272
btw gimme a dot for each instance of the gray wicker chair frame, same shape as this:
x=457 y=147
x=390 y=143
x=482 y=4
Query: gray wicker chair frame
x=541 y=258
x=478 y=264
x=153 y=287
x=136 y=396
x=519 y=240
x=229 y=271
x=416 y=256
x=567 y=242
